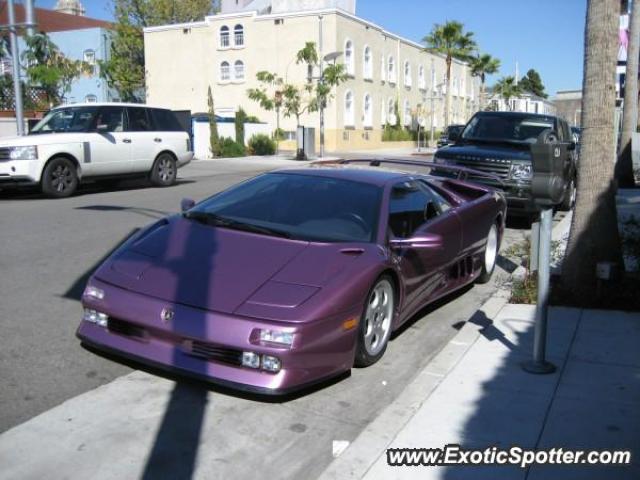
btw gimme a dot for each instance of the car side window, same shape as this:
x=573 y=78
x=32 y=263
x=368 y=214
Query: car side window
x=111 y=119
x=410 y=207
x=165 y=120
x=138 y=120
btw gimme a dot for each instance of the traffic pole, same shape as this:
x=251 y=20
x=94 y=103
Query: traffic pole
x=15 y=60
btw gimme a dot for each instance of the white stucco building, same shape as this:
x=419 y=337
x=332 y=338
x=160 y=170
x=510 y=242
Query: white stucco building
x=225 y=51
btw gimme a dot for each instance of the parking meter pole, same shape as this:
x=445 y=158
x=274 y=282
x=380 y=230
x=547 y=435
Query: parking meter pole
x=539 y=364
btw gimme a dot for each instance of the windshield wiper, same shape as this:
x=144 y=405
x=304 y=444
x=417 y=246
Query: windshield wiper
x=208 y=218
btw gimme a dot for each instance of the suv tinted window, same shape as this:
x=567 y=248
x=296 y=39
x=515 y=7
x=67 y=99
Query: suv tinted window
x=164 y=120
x=138 y=120
x=411 y=206
x=112 y=118
x=72 y=119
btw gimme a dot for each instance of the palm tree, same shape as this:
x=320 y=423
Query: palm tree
x=507 y=88
x=594 y=237
x=481 y=66
x=453 y=42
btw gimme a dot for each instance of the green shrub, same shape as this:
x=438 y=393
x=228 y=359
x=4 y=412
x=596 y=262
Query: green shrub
x=241 y=118
x=261 y=144
x=278 y=134
x=231 y=148
x=395 y=134
x=252 y=119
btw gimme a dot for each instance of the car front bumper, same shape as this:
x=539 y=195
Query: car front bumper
x=321 y=349
x=19 y=173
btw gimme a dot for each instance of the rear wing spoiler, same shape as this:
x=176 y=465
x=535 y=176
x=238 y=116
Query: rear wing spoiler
x=462 y=172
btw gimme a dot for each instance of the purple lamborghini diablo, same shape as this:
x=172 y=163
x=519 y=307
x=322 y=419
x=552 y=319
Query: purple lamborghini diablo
x=294 y=276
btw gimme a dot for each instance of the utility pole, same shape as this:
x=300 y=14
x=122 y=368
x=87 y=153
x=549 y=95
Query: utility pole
x=15 y=60
x=29 y=16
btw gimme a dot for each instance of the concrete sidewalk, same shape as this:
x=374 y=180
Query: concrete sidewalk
x=476 y=394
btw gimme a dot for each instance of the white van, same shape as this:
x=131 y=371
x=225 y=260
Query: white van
x=77 y=142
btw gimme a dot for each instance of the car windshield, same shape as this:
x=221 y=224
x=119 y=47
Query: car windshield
x=70 y=119
x=297 y=206
x=506 y=128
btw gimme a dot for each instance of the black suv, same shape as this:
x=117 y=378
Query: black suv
x=498 y=143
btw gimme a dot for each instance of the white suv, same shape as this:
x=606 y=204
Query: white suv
x=74 y=143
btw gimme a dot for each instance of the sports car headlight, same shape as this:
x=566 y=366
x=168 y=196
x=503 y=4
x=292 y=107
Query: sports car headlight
x=521 y=171
x=96 y=317
x=274 y=336
x=93 y=292
x=23 y=153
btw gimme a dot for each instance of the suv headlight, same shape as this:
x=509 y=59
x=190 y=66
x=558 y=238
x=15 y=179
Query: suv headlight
x=521 y=171
x=23 y=153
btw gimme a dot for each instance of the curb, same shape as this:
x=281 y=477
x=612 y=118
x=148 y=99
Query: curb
x=373 y=441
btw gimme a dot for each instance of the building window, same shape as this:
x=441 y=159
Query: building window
x=421 y=80
x=383 y=112
x=224 y=37
x=238 y=69
x=225 y=74
x=407 y=113
x=391 y=111
x=89 y=56
x=238 y=36
x=368 y=111
x=91 y=99
x=348 y=57
x=392 y=70
x=367 y=64
x=407 y=74
x=348 y=109
x=383 y=68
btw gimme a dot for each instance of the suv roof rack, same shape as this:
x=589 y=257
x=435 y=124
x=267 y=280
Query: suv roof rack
x=462 y=172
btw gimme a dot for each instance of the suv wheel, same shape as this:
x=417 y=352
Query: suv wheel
x=164 y=170
x=569 y=199
x=59 y=178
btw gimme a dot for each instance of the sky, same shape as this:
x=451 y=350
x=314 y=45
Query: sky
x=546 y=35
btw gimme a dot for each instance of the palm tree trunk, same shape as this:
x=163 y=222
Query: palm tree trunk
x=594 y=229
x=624 y=166
x=482 y=93
x=447 y=101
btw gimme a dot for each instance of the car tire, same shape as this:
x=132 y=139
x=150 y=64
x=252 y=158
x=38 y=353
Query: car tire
x=164 y=170
x=374 y=328
x=569 y=199
x=490 y=255
x=59 y=178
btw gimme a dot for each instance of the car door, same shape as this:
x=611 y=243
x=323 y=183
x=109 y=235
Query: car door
x=109 y=144
x=415 y=210
x=172 y=135
x=145 y=142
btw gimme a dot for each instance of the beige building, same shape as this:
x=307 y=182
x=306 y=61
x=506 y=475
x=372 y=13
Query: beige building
x=225 y=51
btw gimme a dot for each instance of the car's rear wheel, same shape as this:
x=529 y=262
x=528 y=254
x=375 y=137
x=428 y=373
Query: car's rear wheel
x=490 y=255
x=374 y=329
x=164 y=171
x=59 y=178
x=569 y=199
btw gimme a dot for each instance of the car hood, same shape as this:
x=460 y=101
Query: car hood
x=217 y=269
x=39 y=139
x=482 y=151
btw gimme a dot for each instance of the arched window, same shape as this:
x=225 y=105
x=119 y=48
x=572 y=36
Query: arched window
x=225 y=73
x=89 y=56
x=349 y=63
x=391 y=111
x=407 y=74
x=421 y=80
x=383 y=68
x=91 y=98
x=238 y=36
x=367 y=64
x=238 y=69
x=224 y=36
x=348 y=109
x=367 y=111
x=407 y=113
x=383 y=112
x=392 y=70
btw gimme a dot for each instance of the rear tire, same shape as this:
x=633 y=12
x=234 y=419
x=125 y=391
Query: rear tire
x=490 y=255
x=59 y=178
x=375 y=324
x=164 y=171
x=569 y=199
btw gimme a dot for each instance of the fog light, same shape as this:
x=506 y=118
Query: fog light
x=93 y=316
x=250 y=359
x=271 y=364
x=275 y=336
x=93 y=292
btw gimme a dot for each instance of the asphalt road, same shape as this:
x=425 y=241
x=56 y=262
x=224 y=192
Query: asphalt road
x=51 y=247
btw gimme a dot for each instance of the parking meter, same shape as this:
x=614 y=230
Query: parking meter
x=548 y=180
